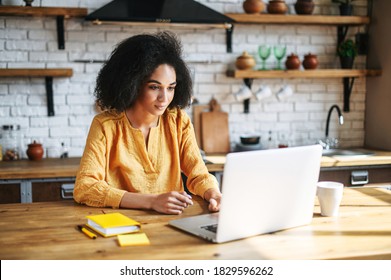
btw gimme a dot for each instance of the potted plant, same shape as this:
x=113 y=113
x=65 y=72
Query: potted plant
x=345 y=7
x=347 y=51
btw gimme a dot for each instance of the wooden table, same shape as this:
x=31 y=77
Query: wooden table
x=47 y=231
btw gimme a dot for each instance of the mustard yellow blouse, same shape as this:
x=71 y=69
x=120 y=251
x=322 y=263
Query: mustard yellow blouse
x=116 y=160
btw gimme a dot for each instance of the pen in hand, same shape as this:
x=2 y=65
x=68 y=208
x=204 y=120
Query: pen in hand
x=86 y=232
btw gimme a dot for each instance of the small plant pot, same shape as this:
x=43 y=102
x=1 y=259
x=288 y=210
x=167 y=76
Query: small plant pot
x=345 y=9
x=346 y=62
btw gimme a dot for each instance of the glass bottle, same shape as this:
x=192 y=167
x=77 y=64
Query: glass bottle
x=11 y=139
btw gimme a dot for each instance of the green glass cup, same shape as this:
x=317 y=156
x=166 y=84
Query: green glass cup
x=264 y=53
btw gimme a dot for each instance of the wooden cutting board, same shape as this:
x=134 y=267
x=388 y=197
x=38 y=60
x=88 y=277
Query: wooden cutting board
x=214 y=130
x=197 y=110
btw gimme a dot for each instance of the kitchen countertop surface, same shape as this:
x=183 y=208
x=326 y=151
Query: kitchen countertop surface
x=379 y=158
x=67 y=167
x=47 y=230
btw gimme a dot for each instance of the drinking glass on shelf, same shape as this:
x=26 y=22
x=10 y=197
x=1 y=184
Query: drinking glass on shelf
x=264 y=53
x=279 y=53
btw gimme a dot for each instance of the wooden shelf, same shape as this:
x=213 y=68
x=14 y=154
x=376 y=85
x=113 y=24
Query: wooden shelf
x=294 y=74
x=298 y=19
x=60 y=13
x=348 y=76
x=42 y=11
x=342 y=22
x=48 y=74
x=34 y=72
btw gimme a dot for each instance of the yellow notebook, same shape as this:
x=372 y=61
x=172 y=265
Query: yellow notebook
x=112 y=224
x=133 y=239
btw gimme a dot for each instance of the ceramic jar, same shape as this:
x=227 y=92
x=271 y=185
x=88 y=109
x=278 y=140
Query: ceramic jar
x=277 y=7
x=310 y=61
x=292 y=62
x=304 y=7
x=34 y=151
x=245 y=62
x=253 y=6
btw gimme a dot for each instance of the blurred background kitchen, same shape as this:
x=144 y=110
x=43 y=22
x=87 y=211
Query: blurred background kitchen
x=298 y=119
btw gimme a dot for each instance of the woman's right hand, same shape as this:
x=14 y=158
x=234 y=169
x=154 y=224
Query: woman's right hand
x=172 y=202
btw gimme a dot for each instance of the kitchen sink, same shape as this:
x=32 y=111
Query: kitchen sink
x=347 y=152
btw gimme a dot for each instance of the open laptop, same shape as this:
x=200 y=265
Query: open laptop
x=263 y=191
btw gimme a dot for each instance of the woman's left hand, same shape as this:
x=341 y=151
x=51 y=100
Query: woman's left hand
x=213 y=196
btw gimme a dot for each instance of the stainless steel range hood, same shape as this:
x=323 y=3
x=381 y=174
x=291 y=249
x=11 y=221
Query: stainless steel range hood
x=162 y=12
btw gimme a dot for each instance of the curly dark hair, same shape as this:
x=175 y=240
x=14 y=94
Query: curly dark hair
x=130 y=65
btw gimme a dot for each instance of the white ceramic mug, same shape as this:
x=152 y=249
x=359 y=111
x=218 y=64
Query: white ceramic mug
x=244 y=93
x=263 y=92
x=284 y=92
x=329 y=195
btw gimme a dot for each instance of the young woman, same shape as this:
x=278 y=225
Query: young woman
x=138 y=147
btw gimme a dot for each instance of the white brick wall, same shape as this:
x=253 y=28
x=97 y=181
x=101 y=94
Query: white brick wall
x=32 y=42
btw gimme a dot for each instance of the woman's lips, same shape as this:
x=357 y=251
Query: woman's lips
x=161 y=107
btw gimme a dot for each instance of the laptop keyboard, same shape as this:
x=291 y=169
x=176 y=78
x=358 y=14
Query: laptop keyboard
x=212 y=228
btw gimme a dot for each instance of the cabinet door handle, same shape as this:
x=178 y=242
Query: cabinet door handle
x=67 y=191
x=359 y=177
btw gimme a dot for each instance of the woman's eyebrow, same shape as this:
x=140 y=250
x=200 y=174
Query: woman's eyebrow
x=157 y=82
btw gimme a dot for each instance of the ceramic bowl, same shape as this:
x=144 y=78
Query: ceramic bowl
x=250 y=139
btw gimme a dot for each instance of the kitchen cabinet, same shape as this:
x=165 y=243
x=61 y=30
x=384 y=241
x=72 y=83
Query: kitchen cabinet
x=358 y=176
x=36 y=190
x=342 y=23
x=25 y=181
x=10 y=192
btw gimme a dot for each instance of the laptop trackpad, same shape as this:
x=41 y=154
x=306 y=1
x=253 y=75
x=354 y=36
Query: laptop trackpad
x=198 y=225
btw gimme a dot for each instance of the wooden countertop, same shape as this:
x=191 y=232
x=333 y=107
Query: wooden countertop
x=47 y=231
x=379 y=158
x=67 y=167
x=45 y=168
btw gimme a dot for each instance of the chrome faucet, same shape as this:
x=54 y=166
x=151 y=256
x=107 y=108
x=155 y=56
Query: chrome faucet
x=328 y=143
